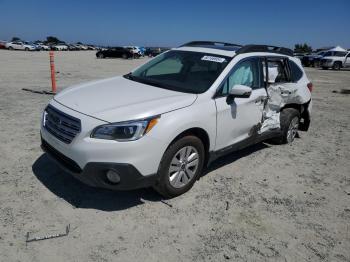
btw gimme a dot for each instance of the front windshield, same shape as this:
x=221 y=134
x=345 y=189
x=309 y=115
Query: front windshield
x=183 y=71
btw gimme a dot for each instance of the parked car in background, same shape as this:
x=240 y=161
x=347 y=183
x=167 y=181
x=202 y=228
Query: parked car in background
x=3 y=44
x=42 y=46
x=81 y=47
x=91 y=47
x=37 y=47
x=72 y=47
x=143 y=50
x=336 y=60
x=135 y=50
x=115 y=52
x=300 y=55
x=19 y=45
x=312 y=59
x=154 y=51
x=60 y=47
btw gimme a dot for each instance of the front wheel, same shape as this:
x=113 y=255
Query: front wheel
x=337 y=66
x=101 y=56
x=181 y=165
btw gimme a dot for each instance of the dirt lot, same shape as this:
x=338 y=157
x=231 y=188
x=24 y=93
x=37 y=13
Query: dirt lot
x=275 y=203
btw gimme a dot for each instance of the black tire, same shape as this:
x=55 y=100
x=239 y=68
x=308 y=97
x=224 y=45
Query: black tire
x=101 y=56
x=324 y=68
x=163 y=185
x=286 y=117
x=26 y=49
x=336 y=65
x=10 y=48
x=124 y=56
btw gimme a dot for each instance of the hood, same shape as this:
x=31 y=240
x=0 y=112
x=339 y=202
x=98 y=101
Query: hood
x=118 y=99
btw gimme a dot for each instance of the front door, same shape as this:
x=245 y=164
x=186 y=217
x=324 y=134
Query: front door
x=237 y=119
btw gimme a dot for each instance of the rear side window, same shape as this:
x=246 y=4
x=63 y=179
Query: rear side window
x=340 y=54
x=295 y=71
x=277 y=70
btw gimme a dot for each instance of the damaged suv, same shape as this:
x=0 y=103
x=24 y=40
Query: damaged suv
x=161 y=124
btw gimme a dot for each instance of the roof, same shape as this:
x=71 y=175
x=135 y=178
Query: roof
x=229 y=49
x=207 y=50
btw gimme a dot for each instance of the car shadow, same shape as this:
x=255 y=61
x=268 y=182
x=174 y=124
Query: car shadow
x=230 y=158
x=80 y=195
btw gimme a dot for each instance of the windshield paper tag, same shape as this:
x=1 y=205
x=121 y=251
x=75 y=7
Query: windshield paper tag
x=213 y=59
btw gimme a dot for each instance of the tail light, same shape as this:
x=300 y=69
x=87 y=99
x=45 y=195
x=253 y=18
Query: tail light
x=310 y=86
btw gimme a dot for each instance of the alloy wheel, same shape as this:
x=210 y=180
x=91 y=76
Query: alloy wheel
x=292 y=129
x=183 y=166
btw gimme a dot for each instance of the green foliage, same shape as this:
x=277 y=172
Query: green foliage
x=15 y=38
x=53 y=40
x=302 y=48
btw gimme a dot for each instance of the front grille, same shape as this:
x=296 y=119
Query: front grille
x=62 y=126
x=62 y=159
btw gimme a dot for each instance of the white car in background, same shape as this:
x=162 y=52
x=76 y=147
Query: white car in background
x=162 y=123
x=81 y=47
x=135 y=50
x=19 y=45
x=42 y=46
x=336 y=60
x=60 y=47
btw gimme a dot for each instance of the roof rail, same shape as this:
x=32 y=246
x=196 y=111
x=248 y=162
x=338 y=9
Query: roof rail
x=213 y=43
x=265 y=48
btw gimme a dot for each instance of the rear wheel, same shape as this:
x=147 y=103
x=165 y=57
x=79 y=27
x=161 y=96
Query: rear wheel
x=337 y=66
x=10 y=48
x=100 y=55
x=180 y=167
x=289 y=121
x=27 y=49
x=125 y=56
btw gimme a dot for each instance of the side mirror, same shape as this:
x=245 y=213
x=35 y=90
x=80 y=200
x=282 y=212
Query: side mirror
x=239 y=91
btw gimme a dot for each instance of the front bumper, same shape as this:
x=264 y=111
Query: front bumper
x=144 y=154
x=94 y=173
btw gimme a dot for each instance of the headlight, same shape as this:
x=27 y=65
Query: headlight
x=125 y=131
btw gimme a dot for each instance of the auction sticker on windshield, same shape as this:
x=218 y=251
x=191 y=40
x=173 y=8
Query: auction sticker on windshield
x=214 y=59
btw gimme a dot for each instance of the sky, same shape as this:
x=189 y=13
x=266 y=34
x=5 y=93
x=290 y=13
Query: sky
x=171 y=23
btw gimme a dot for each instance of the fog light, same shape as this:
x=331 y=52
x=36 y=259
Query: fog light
x=113 y=176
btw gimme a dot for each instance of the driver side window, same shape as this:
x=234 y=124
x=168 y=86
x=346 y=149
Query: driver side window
x=245 y=73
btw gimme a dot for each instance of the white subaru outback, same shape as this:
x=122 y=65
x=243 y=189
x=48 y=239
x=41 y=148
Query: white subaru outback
x=161 y=124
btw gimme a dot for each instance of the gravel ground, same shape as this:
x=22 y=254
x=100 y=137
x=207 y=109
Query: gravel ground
x=265 y=203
